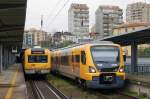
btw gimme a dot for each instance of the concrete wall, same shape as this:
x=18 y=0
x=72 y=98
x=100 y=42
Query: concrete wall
x=6 y=56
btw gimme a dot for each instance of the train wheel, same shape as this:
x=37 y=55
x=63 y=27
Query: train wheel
x=44 y=76
x=83 y=84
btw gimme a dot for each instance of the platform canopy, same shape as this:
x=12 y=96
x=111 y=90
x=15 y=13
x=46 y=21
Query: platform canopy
x=12 y=21
x=140 y=36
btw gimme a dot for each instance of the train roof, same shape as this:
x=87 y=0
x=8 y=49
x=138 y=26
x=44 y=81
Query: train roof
x=91 y=43
x=37 y=49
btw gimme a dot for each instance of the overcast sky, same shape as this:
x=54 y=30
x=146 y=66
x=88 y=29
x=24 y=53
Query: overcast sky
x=49 y=8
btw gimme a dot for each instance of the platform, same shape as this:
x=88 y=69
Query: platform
x=12 y=83
x=138 y=83
x=140 y=79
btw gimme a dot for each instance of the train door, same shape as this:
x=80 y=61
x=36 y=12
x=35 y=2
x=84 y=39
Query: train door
x=77 y=64
x=83 y=63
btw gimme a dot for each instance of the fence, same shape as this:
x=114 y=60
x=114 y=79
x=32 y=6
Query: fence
x=141 y=68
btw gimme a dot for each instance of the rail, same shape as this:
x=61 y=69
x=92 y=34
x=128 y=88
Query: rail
x=44 y=90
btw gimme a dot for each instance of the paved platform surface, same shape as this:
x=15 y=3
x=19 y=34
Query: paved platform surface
x=12 y=83
x=139 y=78
x=139 y=83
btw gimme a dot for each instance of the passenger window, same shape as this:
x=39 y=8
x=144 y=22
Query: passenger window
x=77 y=58
x=83 y=57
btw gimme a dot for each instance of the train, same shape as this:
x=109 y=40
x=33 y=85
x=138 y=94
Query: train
x=92 y=65
x=36 y=60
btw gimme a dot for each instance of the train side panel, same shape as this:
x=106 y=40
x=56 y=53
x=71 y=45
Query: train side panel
x=78 y=63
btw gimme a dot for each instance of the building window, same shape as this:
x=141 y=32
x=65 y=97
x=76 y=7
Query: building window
x=126 y=30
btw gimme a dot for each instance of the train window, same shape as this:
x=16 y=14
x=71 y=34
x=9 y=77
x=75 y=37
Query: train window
x=83 y=57
x=65 y=60
x=77 y=57
x=37 y=59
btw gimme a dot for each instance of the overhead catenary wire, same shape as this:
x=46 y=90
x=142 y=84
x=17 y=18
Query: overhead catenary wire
x=53 y=19
x=53 y=9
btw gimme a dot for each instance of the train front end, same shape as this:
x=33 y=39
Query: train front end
x=37 y=61
x=107 y=67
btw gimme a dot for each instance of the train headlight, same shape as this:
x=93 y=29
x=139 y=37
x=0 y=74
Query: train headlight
x=92 y=70
x=121 y=70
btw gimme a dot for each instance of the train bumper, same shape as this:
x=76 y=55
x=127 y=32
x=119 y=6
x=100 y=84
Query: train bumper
x=95 y=84
x=37 y=71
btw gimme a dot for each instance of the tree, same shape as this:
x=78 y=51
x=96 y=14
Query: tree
x=144 y=52
x=65 y=44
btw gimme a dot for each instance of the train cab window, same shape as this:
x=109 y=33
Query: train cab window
x=37 y=59
x=83 y=57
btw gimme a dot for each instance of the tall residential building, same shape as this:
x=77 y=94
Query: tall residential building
x=138 y=12
x=39 y=36
x=78 y=19
x=107 y=17
x=28 y=39
x=93 y=28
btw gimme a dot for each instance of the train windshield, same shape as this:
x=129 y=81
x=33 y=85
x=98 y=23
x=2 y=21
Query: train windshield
x=37 y=59
x=105 y=54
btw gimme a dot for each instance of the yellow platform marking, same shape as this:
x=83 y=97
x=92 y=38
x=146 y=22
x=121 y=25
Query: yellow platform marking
x=13 y=81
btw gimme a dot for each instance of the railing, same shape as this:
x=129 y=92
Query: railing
x=141 y=68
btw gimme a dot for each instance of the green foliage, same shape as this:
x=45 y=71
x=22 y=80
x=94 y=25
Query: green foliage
x=145 y=52
x=64 y=44
x=45 y=44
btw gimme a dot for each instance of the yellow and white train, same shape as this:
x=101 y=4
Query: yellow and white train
x=37 y=61
x=92 y=65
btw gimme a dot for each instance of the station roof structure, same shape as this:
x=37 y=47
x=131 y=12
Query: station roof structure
x=12 y=21
x=141 y=36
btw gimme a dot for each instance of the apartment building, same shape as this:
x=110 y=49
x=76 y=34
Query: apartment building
x=107 y=17
x=138 y=12
x=34 y=37
x=78 y=19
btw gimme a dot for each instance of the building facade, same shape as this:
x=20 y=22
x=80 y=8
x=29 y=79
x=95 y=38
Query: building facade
x=28 y=39
x=78 y=19
x=107 y=17
x=93 y=29
x=56 y=38
x=39 y=36
x=34 y=37
x=129 y=27
x=138 y=12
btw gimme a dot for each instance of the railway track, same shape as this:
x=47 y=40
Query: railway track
x=116 y=95
x=43 y=90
